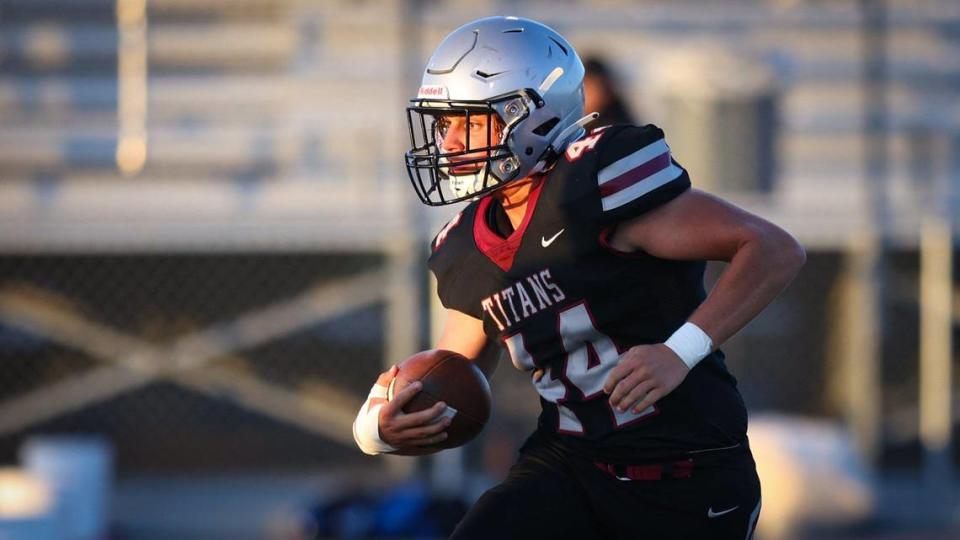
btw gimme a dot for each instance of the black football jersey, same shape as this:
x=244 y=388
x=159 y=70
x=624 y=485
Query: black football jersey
x=557 y=296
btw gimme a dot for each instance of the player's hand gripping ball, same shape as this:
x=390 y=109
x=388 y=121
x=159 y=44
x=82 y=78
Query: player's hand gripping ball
x=448 y=377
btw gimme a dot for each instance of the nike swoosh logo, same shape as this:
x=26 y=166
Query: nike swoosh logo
x=711 y=514
x=546 y=243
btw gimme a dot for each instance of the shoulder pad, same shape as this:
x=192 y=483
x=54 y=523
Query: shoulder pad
x=451 y=252
x=441 y=236
x=621 y=172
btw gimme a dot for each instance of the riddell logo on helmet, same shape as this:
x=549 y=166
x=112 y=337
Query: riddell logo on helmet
x=432 y=91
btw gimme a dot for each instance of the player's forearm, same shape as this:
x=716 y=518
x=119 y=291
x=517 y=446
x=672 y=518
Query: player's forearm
x=464 y=335
x=761 y=268
x=488 y=359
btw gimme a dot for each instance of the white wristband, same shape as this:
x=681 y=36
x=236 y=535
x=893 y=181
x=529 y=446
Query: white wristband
x=366 y=427
x=690 y=343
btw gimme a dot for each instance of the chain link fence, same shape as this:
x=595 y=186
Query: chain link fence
x=186 y=361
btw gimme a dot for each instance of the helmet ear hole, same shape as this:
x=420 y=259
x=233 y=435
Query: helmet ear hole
x=545 y=127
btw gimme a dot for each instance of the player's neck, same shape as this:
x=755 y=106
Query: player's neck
x=514 y=198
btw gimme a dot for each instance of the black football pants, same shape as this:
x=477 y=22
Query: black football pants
x=552 y=494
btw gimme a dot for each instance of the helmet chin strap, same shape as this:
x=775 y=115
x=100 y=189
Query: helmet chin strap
x=561 y=139
x=573 y=132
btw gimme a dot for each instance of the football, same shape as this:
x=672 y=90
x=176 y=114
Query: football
x=449 y=377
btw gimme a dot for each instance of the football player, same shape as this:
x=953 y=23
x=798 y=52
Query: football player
x=582 y=253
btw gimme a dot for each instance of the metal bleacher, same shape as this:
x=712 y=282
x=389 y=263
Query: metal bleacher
x=260 y=115
x=276 y=112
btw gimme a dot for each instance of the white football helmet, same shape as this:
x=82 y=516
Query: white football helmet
x=528 y=82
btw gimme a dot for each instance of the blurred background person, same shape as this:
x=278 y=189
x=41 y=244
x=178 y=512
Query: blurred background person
x=603 y=93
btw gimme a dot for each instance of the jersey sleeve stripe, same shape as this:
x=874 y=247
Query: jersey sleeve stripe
x=635 y=175
x=639 y=189
x=623 y=165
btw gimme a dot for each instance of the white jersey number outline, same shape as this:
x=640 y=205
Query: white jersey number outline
x=590 y=355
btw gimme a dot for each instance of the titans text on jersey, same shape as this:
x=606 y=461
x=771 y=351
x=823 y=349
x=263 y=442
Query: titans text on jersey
x=560 y=299
x=544 y=293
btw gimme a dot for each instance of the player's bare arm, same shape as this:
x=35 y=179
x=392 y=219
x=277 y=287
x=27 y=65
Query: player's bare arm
x=762 y=259
x=462 y=334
